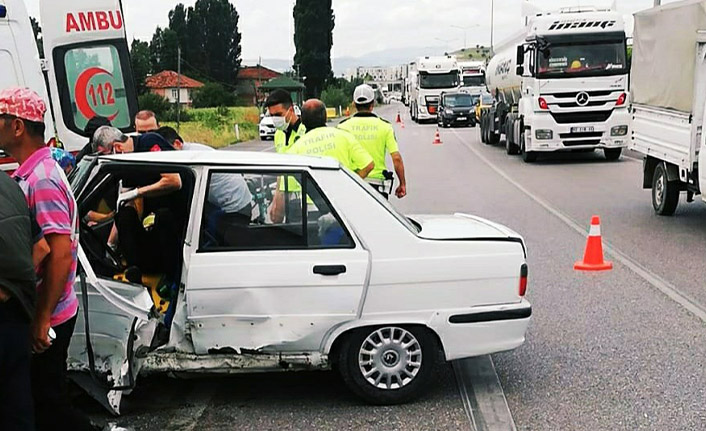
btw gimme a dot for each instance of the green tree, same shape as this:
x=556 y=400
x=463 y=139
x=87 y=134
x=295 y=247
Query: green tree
x=155 y=103
x=163 y=50
x=212 y=95
x=37 y=29
x=140 y=62
x=313 y=37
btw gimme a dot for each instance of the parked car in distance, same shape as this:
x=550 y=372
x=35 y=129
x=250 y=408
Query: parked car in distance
x=456 y=108
x=267 y=127
x=338 y=279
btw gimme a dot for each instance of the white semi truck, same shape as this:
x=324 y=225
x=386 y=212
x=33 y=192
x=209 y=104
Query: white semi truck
x=428 y=78
x=561 y=84
x=472 y=76
x=669 y=100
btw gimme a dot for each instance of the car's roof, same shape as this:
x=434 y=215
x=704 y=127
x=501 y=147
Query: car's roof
x=225 y=158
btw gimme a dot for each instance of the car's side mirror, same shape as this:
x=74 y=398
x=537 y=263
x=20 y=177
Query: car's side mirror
x=520 y=70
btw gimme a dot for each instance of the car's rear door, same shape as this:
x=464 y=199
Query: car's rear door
x=88 y=64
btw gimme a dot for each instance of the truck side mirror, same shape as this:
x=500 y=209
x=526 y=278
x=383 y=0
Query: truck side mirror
x=520 y=60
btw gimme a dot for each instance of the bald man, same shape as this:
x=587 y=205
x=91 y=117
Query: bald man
x=322 y=141
x=331 y=142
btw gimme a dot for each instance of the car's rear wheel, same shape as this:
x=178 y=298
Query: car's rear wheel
x=388 y=365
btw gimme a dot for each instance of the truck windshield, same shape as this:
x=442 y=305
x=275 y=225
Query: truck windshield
x=582 y=59
x=438 y=80
x=474 y=81
x=458 y=101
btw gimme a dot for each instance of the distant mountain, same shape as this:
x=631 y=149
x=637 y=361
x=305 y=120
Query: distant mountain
x=387 y=57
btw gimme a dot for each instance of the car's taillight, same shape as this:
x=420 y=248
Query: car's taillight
x=52 y=143
x=621 y=100
x=523 y=279
x=543 y=103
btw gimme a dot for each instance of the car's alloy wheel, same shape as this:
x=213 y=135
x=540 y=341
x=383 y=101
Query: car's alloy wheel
x=388 y=365
x=390 y=358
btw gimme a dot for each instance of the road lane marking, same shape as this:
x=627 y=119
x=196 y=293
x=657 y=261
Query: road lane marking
x=655 y=280
x=482 y=395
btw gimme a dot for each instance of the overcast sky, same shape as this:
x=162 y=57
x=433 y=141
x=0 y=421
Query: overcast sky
x=362 y=26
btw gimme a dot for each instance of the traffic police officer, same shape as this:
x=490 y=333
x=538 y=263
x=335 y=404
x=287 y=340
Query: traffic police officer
x=377 y=136
x=289 y=127
x=330 y=142
x=324 y=142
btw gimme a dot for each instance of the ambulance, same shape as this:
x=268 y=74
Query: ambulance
x=85 y=70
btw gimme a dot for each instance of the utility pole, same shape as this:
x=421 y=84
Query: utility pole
x=178 y=100
x=658 y=3
x=492 y=24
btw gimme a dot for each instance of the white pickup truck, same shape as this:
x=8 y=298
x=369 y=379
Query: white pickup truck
x=669 y=100
x=345 y=280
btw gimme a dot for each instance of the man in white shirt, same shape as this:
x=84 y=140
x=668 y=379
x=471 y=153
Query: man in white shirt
x=228 y=194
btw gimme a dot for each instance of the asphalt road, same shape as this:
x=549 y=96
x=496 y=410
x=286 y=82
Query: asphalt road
x=621 y=350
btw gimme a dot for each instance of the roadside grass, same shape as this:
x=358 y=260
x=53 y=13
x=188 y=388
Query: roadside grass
x=216 y=126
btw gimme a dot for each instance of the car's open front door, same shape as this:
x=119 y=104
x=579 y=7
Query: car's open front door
x=115 y=324
x=88 y=63
x=120 y=330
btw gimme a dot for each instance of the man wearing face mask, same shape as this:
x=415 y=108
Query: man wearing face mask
x=289 y=127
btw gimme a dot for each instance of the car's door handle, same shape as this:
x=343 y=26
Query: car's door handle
x=329 y=269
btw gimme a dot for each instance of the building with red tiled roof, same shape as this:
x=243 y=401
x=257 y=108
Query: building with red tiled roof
x=167 y=83
x=250 y=78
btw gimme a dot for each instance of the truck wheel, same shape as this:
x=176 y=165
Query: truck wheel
x=510 y=145
x=612 y=153
x=665 y=193
x=527 y=156
x=493 y=136
x=483 y=128
x=388 y=365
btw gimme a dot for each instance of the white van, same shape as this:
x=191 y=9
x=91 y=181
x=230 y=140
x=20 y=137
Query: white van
x=87 y=65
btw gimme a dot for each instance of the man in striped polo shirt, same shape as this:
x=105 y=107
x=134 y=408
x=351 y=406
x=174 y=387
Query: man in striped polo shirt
x=51 y=202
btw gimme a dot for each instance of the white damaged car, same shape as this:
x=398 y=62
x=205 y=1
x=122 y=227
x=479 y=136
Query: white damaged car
x=340 y=280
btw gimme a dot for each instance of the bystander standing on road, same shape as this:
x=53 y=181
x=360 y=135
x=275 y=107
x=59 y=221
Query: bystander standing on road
x=378 y=138
x=289 y=126
x=51 y=202
x=17 y=301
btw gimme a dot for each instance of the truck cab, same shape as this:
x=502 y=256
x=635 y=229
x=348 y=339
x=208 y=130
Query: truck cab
x=430 y=77
x=472 y=76
x=86 y=68
x=562 y=85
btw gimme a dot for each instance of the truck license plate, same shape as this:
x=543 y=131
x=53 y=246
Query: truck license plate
x=582 y=129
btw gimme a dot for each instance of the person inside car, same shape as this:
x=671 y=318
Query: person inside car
x=147 y=231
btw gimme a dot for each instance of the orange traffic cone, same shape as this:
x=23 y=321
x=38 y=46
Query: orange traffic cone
x=348 y=111
x=593 y=257
x=437 y=138
x=398 y=119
